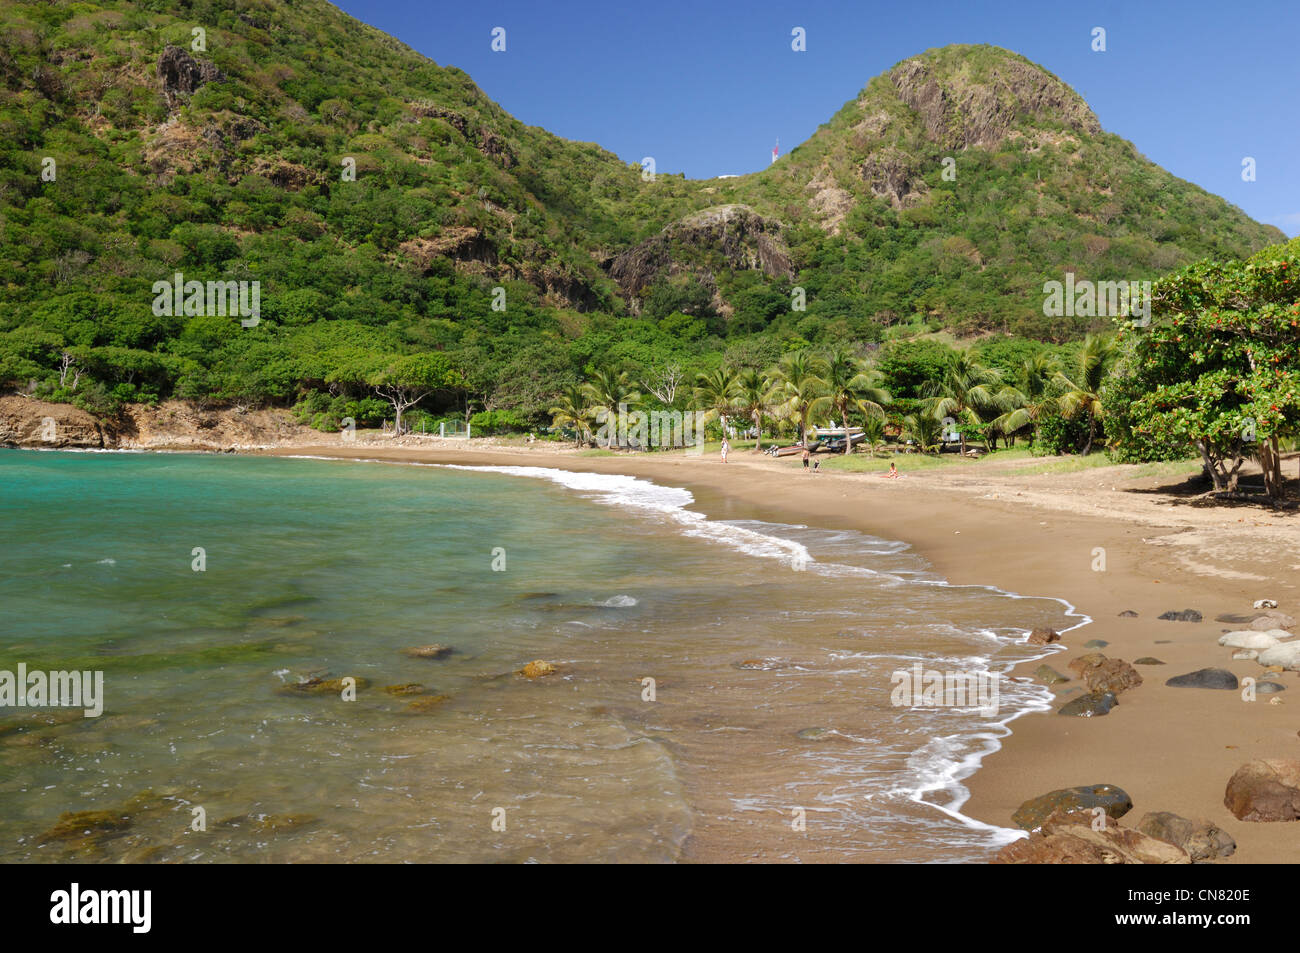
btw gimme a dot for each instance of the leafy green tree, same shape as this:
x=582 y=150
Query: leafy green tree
x=572 y=409
x=715 y=392
x=1080 y=389
x=1218 y=370
x=404 y=381
x=754 y=399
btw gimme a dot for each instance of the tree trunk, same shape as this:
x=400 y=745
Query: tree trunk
x=758 y=429
x=1092 y=432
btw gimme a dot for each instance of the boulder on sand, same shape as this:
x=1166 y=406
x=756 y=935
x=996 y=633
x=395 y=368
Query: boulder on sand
x=1286 y=655
x=1219 y=678
x=1201 y=839
x=1265 y=790
x=1272 y=620
x=1147 y=660
x=1111 y=799
x=1082 y=663
x=1185 y=615
x=1073 y=838
x=1244 y=639
x=1111 y=675
x=1091 y=705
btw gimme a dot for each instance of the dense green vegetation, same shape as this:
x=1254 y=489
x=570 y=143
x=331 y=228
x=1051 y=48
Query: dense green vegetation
x=422 y=254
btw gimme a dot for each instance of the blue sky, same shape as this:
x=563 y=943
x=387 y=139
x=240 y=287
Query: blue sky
x=707 y=87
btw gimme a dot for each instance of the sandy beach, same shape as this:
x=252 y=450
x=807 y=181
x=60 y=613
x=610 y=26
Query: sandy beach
x=1040 y=534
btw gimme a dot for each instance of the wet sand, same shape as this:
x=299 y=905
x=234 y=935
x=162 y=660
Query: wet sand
x=1039 y=534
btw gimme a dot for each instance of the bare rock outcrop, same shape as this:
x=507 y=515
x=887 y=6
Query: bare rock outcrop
x=744 y=239
x=957 y=112
x=181 y=74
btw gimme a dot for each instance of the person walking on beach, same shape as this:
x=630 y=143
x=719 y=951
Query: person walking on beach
x=725 y=448
x=805 y=458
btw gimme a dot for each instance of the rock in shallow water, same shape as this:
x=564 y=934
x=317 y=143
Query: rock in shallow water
x=1045 y=673
x=434 y=651
x=1095 y=644
x=1265 y=790
x=1184 y=615
x=1043 y=636
x=1113 y=800
x=537 y=668
x=1219 y=678
x=1091 y=705
x=1082 y=663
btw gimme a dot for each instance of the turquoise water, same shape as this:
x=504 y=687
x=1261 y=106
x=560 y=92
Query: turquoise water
x=330 y=569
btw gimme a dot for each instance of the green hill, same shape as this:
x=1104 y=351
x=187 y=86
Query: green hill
x=128 y=156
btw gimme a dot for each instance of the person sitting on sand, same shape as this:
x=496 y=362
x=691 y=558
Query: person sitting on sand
x=893 y=473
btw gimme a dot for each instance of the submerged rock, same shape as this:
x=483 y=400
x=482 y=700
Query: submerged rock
x=413 y=688
x=816 y=734
x=1147 y=660
x=1269 y=688
x=86 y=826
x=1201 y=839
x=1093 y=704
x=434 y=651
x=1219 y=678
x=1113 y=800
x=1071 y=837
x=324 y=686
x=1043 y=636
x=1095 y=644
x=281 y=823
x=1265 y=790
x=760 y=665
x=536 y=669
x=1184 y=615
x=426 y=704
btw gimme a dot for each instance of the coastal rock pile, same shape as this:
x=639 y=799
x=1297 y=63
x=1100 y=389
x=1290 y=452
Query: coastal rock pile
x=1201 y=839
x=1080 y=837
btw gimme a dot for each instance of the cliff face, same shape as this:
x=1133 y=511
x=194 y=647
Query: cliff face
x=733 y=237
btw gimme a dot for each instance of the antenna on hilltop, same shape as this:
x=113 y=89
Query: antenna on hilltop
x=776 y=149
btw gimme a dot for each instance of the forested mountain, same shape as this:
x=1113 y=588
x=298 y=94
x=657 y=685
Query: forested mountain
x=379 y=199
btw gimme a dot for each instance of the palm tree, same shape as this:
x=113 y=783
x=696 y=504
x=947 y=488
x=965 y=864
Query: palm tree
x=715 y=391
x=847 y=386
x=754 y=399
x=966 y=392
x=924 y=430
x=1033 y=395
x=1081 y=388
x=573 y=410
x=873 y=433
x=607 y=388
x=799 y=385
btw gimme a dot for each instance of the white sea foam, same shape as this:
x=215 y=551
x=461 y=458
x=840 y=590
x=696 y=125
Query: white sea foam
x=937 y=767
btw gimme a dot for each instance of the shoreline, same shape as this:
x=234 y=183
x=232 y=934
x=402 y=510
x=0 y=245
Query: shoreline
x=1171 y=749
x=1036 y=536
